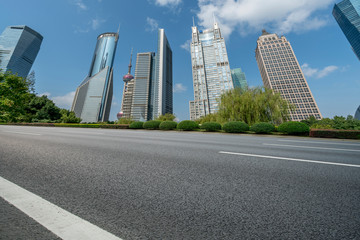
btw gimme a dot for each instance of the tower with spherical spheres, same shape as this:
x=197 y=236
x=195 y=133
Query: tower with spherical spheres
x=127 y=94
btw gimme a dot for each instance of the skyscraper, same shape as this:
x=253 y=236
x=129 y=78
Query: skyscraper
x=239 y=79
x=19 y=46
x=357 y=113
x=127 y=93
x=281 y=72
x=347 y=15
x=162 y=93
x=210 y=69
x=92 y=101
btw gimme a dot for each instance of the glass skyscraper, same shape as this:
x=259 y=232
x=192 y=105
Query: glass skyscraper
x=210 y=69
x=92 y=101
x=239 y=79
x=19 y=46
x=280 y=71
x=347 y=15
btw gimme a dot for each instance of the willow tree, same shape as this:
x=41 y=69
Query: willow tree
x=253 y=105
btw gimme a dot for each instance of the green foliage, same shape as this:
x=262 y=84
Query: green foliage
x=262 y=127
x=294 y=128
x=211 y=126
x=253 y=105
x=166 y=117
x=68 y=117
x=43 y=108
x=235 y=127
x=320 y=126
x=136 y=125
x=152 y=124
x=310 y=121
x=345 y=134
x=213 y=117
x=338 y=122
x=187 y=125
x=125 y=121
x=168 y=125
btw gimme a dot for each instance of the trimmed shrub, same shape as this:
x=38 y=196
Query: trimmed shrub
x=168 y=125
x=332 y=133
x=136 y=125
x=235 y=127
x=152 y=124
x=187 y=125
x=262 y=127
x=115 y=126
x=78 y=125
x=211 y=126
x=294 y=128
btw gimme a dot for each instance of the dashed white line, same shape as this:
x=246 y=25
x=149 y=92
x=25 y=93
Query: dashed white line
x=59 y=221
x=35 y=134
x=290 y=159
x=336 y=143
x=323 y=148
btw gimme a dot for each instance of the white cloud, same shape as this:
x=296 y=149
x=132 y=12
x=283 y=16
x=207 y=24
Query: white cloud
x=170 y=3
x=179 y=87
x=80 y=4
x=152 y=24
x=64 y=101
x=95 y=23
x=317 y=73
x=186 y=45
x=249 y=16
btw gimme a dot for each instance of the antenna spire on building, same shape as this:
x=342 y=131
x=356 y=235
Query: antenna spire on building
x=193 y=22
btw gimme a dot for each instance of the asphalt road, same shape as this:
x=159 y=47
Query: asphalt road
x=140 y=184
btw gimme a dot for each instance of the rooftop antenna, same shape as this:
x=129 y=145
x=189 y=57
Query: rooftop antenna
x=193 y=22
x=130 y=61
x=118 y=29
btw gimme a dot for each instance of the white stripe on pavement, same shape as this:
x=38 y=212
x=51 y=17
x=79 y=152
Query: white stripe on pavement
x=294 y=146
x=59 y=221
x=36 y=134
x=336 y=143
x=290 y=159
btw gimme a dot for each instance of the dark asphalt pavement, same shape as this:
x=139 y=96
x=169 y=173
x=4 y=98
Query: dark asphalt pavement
x=140 y=184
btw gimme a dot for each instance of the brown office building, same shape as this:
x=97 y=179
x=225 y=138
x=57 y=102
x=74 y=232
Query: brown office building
x=281 y=72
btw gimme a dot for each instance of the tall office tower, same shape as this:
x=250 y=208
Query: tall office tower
x=92 y=101
x=347 y=14
x=210 y=69
x=281 y=72
x=239 y=79
x=19 y=46
x=162 y=90
x=142 y=107
x=357 y=113
x=127 y=93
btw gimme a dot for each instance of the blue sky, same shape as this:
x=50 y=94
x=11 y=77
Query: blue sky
x=70 y=29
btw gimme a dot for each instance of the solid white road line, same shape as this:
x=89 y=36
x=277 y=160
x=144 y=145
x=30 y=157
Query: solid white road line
x=290 y=159
x=294 y=146
x=62 y=223
x=336 y=143
x=35 y=134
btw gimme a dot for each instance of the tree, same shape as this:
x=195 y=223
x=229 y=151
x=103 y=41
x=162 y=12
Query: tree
x=166 y=117
x=14 y=94
x=42 y=108
x=69 y=117
x=254 y=105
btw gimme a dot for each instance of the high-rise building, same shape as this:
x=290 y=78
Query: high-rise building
x=92 y=101
x=127 y=93
x=239 y=79
x=357 y=113
x=281 y=72
x=19 y=46
x=210 y=69
x=347 y=15
x=142 y=107
x=162 y=93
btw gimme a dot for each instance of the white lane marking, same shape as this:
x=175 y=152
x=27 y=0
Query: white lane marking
x=350 y=144
x=291 y=159
x=62 y=223
x=35 y=134
x=294 y=146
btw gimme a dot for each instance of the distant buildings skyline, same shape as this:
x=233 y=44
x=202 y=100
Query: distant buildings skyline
x=19 y=46
x=92 y=101
x=280 y=71
x=347 y=15
x=210 y=70
x=239 y=78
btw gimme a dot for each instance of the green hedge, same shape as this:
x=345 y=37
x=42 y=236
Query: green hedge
x=235 y=127
x=262 y=127
x=187 y=125
x=77 y=125
x=332 y=133
x=115 y=126
x=136 y=125
x=168 y=125
x=294 y=128
x=152 y=124
x=211 y=126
